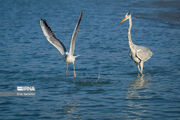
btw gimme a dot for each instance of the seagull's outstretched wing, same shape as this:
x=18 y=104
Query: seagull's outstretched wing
x=72 y=45
x=51 y=37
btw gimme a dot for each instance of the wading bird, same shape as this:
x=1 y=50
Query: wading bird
x=139 y=54
x=69 y=58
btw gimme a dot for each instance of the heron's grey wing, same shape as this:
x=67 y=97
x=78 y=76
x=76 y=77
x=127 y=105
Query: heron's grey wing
x=143 y=53
x=72 y=45
x=51 y=37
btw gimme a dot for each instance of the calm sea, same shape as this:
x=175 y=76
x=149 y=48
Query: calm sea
x=107 y=86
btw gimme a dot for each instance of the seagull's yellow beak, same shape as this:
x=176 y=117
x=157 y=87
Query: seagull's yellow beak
x=123 y=20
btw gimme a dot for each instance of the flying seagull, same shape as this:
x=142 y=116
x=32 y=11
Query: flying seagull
x=139 y=54
x=69 y=58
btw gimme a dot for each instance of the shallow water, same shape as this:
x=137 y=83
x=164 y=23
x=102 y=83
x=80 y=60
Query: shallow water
x=107 y=85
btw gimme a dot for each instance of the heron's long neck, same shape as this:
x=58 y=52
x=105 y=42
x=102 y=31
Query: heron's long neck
x=129 y=33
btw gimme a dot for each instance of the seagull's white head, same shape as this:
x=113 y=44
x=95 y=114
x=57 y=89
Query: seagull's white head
x=127 y=16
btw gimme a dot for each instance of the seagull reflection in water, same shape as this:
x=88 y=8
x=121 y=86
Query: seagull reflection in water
x=70 y=110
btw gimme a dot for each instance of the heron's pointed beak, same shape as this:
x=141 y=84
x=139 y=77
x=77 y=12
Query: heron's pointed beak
x=123 y=20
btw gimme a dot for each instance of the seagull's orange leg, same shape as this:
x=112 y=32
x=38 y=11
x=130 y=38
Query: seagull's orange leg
x=74 y=70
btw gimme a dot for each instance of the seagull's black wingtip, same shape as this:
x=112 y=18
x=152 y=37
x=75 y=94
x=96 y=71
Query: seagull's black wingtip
x=43 y=20
x=81 y=11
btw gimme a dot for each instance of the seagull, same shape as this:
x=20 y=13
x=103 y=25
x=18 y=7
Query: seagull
x=50 y=36
x=139 y=54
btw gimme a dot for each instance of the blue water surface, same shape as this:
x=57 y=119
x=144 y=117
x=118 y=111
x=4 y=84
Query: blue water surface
x=107 y=86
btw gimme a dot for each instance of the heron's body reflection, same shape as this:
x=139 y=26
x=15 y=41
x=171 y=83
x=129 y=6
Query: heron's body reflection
x=137 y=96
x=140 y=83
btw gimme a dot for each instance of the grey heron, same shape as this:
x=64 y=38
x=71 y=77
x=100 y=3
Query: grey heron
x=139 y=54
x=69 y=57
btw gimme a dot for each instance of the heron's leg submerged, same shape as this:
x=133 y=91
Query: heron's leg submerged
x=141 y=65
x=67 y=69
x=74 y=70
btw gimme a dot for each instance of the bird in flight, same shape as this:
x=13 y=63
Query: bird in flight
x=69 y=57
x=139 y=54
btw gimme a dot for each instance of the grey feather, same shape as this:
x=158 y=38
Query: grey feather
x=72 y=45
x=143 y=53
x=51 y=37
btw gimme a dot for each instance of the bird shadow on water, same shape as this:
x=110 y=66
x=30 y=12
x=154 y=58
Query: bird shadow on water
x=88 y=79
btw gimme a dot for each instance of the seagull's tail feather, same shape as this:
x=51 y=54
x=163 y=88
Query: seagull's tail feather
x=77 y=56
